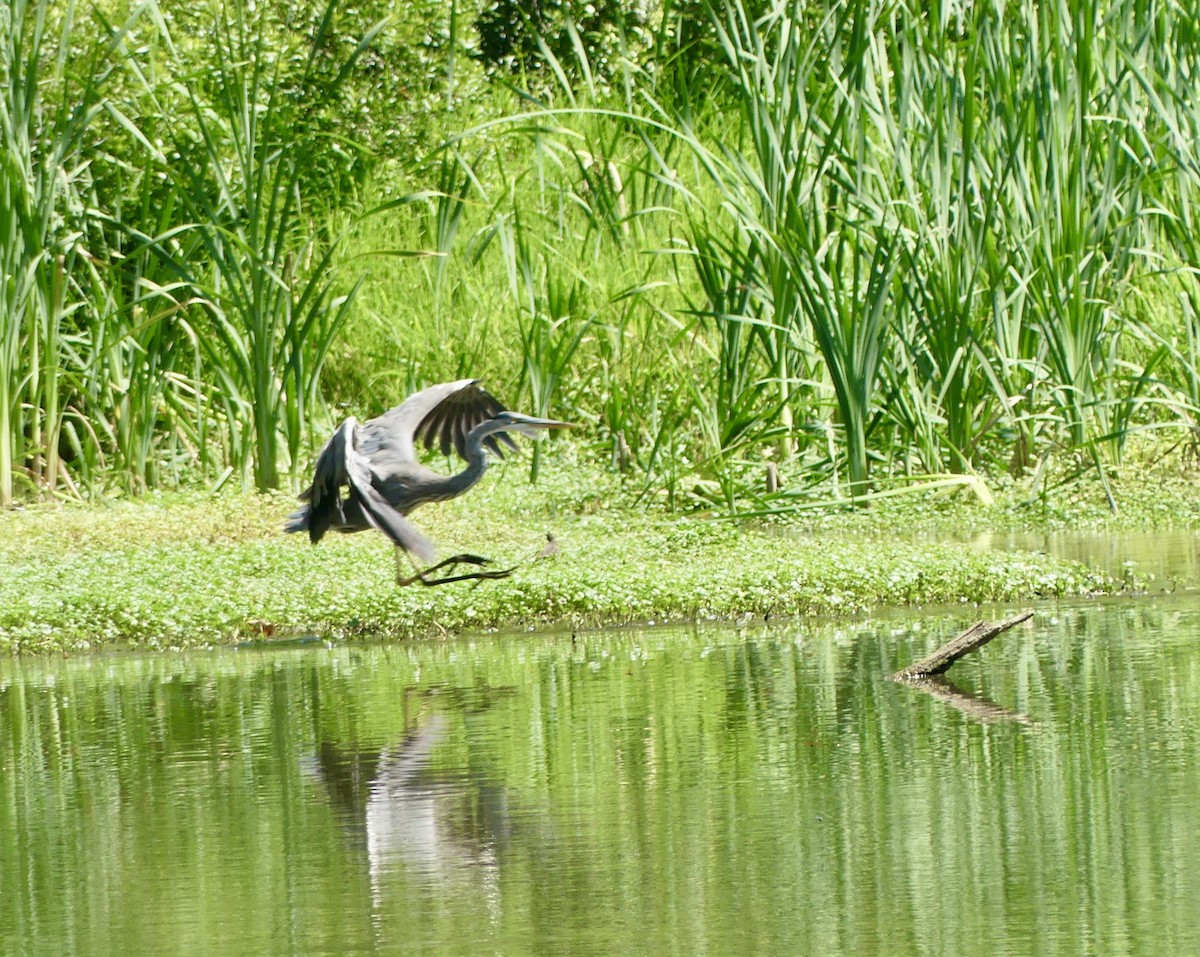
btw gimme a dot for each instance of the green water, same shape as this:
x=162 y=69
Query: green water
x=667 y=791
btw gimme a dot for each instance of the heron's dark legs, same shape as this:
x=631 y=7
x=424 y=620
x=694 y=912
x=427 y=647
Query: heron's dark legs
x=422 y=573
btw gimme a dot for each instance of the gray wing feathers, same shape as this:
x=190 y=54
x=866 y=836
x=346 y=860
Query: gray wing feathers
x=396 y=428
x=379 y=512
x=325 y=494
x=441 y=416
x=447 y=424
x=340 y=463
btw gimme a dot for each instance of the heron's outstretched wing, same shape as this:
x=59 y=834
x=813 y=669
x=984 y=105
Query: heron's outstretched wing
x=340 y=463
x=441 y=415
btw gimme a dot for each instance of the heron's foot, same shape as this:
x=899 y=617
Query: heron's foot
x=469 y=576
x=451 y=563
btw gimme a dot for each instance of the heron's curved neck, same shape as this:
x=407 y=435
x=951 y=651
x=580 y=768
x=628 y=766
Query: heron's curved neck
x=477 y=459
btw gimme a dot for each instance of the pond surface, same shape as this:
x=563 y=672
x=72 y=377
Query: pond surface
x=1163 y=559
x=666 y=791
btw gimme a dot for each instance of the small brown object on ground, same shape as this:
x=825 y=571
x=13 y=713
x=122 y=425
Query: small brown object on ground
x=772 y=478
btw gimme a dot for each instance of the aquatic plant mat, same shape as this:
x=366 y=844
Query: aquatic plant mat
x=197 y=571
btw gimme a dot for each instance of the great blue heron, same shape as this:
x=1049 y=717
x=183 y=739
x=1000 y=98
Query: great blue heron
x=376 y=462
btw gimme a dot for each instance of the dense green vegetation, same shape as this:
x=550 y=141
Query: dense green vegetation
x=870 y=241
x=170 y=570
x=198 y=573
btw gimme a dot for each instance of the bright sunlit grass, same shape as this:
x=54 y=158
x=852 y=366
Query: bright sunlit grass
x=175 y=571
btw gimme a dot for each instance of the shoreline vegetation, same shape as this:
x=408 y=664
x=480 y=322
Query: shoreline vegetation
x=846 y=239
x=772 y=257
x=183 y=571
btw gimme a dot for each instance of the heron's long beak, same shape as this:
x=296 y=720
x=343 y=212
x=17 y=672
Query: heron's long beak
x=528 y=425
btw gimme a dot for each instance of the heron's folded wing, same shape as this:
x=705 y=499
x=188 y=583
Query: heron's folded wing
x=379 y=512
x=324 y=496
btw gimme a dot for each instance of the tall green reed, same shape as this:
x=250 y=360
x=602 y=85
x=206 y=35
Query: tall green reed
x=266 y=274
x=43 y=176
x=1167 y=82
x=813 y=187
x=552 y=318
x=959 y=221
x=572 y=203
x=916 y=231
x=1074 y=221
x=950 y=179
x=146 y=379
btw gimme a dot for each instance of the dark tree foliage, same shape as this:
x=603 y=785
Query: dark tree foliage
x=388 y=106
x=509 y=31
x=687 y=56
x=673 y=43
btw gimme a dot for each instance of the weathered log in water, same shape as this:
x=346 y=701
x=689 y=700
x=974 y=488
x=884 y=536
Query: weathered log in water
x=975 y=637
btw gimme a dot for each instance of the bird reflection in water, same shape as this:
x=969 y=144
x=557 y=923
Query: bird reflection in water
x=443 y=824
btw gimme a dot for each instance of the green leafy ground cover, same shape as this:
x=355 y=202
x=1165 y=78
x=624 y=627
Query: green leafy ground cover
x=191 y=570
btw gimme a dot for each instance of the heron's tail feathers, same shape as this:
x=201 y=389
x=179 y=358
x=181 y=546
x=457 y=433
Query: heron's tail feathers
x=297 y=521
x=340 y=464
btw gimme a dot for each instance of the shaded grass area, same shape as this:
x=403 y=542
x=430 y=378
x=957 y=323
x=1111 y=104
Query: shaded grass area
x=188 y=570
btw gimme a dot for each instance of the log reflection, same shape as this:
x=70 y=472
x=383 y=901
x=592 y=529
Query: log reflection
x=974 y=706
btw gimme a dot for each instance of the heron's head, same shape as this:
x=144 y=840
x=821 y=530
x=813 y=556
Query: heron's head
x=527 y=425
